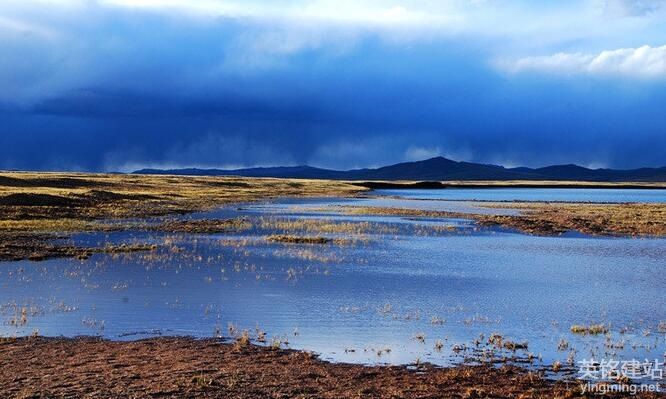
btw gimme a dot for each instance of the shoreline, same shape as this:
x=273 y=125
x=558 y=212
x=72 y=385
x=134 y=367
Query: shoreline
x=38 y=210
x=482 y=184
x=173 y=367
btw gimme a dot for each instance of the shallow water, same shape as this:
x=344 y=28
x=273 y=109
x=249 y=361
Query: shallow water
x=397 y=278
x=533 y=194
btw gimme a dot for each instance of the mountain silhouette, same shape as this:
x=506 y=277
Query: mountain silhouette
x=435 y=169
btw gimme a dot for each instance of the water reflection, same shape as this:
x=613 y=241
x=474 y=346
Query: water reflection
x=399 y=289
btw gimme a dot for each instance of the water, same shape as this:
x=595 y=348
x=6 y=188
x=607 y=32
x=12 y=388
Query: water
x=393 y=280
x=534 y=194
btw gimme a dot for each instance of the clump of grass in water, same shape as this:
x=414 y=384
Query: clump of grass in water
x=662 y=327
x=243 y=341
x=557 y=366
x=276 y=343
x=261 y=335
x=498 y=341
x=420 y=337
x=232 y=329
x=292 y=239
x=457 y=348
x=439 y=345
x=380 y=352
x=514 y=346
x=593 y=329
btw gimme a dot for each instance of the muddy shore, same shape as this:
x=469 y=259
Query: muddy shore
x=184 y=367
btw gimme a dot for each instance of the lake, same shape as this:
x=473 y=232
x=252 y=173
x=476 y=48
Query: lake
x=387 y=291
x=601 y=195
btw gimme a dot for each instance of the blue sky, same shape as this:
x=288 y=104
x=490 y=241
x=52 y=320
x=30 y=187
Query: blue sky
x=115 y=85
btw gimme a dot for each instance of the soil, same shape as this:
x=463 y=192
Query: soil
x=185 y=368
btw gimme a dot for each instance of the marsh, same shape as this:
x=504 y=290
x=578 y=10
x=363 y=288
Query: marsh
x=355 y=281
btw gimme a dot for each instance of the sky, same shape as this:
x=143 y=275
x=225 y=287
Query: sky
x=119 y=85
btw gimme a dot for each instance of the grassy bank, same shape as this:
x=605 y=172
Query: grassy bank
x=553 y=218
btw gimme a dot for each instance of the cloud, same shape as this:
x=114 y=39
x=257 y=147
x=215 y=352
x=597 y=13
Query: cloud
x=368 y=13
x=416 y=153
x=114 y=84
x=213 y=150
x=644 y=62
x=17 y=27
x=632 y=8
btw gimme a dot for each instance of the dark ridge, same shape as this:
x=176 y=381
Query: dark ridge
x=27 y=199
x=101 y=195
x=58 y=182
x=437 y=169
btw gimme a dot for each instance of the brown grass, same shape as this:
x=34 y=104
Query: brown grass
x=34 y=207
x=37 y=196
x=594 y=329
x=290 y=239
x=183 y=367
x=207 y=226
x=554 y=218
x=596 y=219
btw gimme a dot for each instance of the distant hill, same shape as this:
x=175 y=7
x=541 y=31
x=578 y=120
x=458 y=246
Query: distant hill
x=435 y=169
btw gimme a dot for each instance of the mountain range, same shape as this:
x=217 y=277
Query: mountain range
x=435 y=169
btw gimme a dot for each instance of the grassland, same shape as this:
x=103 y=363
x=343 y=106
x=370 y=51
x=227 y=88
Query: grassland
x=38 y=208
x=57 y=202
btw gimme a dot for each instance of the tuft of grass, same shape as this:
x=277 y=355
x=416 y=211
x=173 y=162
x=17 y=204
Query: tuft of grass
x=243 y=341
x=276 y=343
x=439 y=345
x=514 y=346
x=563 y=345
x=420 y=337
x=261 y=335
x=662 y=327
x=557 y=366
x=291 y=239
x=593 y=329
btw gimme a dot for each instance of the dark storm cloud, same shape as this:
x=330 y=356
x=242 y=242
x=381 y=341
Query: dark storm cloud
x=131 y=89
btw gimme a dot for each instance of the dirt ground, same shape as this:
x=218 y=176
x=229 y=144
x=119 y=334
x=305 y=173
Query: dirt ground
x=188 y=368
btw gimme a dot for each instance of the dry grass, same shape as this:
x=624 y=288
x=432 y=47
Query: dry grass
x=596 y=219
x=207 y=226
x=554 y=218
x=290 y=239
x=594 y=329
x=182 y=367
x=37 y=196
x=35 y=206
